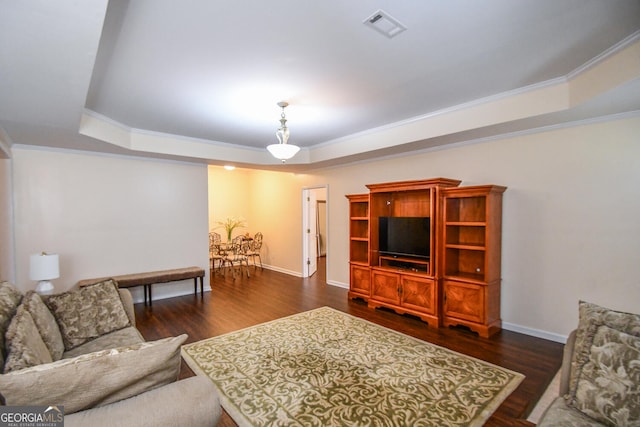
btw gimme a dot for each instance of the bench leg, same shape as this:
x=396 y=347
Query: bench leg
x=195 y=286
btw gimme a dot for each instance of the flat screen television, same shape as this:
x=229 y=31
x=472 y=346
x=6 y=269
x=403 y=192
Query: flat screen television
x=404 y=236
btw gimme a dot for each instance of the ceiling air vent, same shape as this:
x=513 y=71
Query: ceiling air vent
x=384 y=23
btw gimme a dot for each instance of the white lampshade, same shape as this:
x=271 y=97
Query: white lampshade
x=283 y=151
x=44 y=267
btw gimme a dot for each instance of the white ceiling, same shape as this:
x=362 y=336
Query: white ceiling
x=200 y=79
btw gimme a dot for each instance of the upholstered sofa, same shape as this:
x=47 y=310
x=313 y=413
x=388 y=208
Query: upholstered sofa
x=80 y=349
x=600 y=374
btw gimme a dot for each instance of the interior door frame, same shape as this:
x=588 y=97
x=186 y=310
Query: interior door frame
x=305 y=218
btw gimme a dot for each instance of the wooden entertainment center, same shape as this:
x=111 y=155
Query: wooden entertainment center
x=458 y=282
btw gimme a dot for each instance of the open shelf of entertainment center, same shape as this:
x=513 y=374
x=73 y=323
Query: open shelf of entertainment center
x=404 y=264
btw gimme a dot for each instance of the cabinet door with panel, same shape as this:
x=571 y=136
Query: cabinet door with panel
x=385 y=287
x=419 y=294
x=465 y=301
x=360 y=281
x=405 y=293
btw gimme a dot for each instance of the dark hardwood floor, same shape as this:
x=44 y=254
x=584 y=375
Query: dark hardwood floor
x=268 y=295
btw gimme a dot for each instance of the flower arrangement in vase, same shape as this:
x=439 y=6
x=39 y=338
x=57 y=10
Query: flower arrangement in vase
x=231 y=224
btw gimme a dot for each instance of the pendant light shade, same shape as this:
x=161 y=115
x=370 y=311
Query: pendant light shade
x=283 y=150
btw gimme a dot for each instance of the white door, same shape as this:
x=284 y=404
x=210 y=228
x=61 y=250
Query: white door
x=311 y=233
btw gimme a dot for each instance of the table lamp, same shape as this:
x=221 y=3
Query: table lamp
x=44 y=267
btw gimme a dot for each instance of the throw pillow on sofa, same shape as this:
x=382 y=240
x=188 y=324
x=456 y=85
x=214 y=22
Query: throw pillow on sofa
x=46 y=324
x=89 y=312
x=605 y=367
x=25 y=347
x=10 y=299
x=96 y=379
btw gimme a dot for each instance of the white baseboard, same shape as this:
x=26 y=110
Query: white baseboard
x=282 y=270
x=338 y=284
x=535 y=332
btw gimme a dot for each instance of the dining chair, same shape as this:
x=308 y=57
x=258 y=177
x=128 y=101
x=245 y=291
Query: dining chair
x=237 y=255
x=254 y=249
x=214 y=251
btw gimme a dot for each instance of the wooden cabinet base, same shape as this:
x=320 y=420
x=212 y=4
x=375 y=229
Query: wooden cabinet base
x=356 y=295
x=484 y=331
x=430 y=320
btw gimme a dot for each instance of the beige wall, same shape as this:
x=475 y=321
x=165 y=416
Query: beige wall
x=570 y=216
x=108 y=215
x=229 y=198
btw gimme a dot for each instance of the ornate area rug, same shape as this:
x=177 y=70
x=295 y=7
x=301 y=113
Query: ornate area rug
x=327 y=368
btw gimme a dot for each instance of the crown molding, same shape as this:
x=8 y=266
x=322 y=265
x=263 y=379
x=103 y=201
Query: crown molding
x=618 y=47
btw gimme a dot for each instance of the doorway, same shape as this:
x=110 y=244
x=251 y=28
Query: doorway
x=314 y=229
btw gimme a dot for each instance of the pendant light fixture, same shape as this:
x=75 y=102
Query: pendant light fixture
x=282 y=150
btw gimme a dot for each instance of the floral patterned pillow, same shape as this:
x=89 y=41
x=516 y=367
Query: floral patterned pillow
x=46 y=324
x=10 y=299
x=25 y=347
x=88 y=313
x=605 y=369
